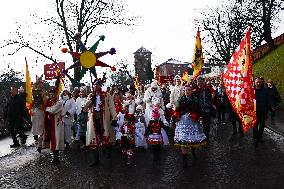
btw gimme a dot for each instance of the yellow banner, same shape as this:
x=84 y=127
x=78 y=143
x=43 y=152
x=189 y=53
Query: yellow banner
x=29 y=100
x=197 y=60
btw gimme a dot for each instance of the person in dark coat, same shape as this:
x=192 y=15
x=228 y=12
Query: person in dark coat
x=274 y=99
x=14 y=113
x=262 y=99
x=205 y=96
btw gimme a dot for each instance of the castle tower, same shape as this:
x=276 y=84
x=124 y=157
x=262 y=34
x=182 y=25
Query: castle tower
x=142 y=61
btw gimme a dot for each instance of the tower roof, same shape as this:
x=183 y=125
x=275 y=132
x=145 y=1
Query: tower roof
x=142 y=50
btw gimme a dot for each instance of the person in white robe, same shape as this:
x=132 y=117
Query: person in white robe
x=69 y=109
x=57 y=127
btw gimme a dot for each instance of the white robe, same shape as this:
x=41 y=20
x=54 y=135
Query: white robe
x=37 y=121
x=150 y=98
x=176 y=92
x=58 y=123
x=69 y=105
x=120 y=122
x=140 y=127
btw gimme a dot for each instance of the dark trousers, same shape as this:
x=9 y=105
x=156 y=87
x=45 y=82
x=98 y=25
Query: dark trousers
x=156 y=151
x=221 y=114
x=206 y=118
x=234 y=119
x=272 y=114
x=16 y=127
x=259 y=126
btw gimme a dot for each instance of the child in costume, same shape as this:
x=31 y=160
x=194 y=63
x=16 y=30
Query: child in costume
x=153 y=133
x=128 y=137
x=140 y=127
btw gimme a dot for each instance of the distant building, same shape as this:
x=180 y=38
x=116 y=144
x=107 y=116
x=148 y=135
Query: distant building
x=169 y=69
x=142 y=61
x=173 y=67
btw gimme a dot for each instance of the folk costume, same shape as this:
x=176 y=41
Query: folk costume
x=140 y=127
x=99 y=131
x=117 y=99
x=153 y=134
x=128 y=136
x=152 y=94
x=188 y=131
x=57 y=127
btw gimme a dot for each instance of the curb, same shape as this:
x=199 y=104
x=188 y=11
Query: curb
x=275 y=131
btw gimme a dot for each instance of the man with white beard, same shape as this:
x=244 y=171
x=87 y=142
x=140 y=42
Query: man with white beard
x=152 y=94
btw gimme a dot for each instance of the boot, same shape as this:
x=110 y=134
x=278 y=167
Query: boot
x=24 y=139
x=96 y=157
x=15 y=145
x=55 y=159
x=184 y=160
x=36 y=138
x=67 y=146
x=38 y=149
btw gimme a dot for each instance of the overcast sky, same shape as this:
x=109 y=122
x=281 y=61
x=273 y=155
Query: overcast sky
x=167 y=30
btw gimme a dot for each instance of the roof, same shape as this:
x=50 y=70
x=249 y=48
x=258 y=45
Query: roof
x=142 y=50
x=174 y=61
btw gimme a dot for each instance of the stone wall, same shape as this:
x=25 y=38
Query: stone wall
x=264 y=49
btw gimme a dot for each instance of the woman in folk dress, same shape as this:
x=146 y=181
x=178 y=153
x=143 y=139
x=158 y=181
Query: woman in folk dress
x=188 y=132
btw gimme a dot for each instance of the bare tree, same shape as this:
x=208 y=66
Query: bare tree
x=72 y=17
x=224 y=27
x=267 y=12
x=123 y=76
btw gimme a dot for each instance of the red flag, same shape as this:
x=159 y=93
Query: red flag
x=238 y=81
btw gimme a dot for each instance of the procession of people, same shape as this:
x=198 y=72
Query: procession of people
x=151 y=118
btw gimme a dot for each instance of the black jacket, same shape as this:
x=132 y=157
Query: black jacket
x=15 y=109
x=262 y=100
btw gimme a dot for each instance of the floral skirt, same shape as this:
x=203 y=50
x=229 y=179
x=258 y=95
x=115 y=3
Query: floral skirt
x=188 y=133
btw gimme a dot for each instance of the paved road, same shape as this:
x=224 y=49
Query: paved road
x=226 y=163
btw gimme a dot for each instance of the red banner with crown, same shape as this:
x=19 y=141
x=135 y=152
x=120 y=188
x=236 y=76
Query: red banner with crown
x=50 y=70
